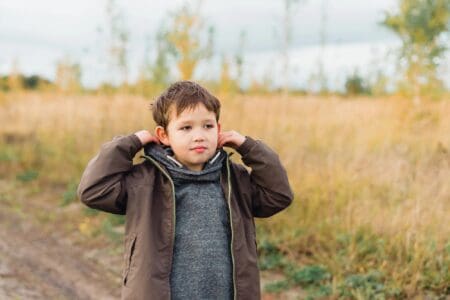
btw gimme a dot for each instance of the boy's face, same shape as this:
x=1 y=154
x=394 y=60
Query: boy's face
x=192 y=135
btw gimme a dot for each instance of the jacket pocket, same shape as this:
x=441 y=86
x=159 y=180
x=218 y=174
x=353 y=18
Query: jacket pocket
x=130 y=246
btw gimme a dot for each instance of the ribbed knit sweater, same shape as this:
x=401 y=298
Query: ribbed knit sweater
x=202 y=267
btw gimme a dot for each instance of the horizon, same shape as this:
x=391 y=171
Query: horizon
x=55 y=30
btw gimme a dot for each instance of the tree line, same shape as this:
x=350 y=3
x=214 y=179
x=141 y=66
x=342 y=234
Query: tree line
x=423 y=26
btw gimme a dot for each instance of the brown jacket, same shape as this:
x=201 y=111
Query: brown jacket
x=145 y=193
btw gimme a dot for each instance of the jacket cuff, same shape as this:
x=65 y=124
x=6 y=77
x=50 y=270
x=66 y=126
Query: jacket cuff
x=137 y=145
x=246 y=146
x=131 y=142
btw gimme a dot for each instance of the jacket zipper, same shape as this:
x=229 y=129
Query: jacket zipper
x=229 y=209
x=174 y=203
x=231 y=226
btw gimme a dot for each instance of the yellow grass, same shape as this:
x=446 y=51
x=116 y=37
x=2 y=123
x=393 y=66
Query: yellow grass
x=376 y=168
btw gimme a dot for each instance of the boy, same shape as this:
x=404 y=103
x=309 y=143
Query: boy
x=189 y=230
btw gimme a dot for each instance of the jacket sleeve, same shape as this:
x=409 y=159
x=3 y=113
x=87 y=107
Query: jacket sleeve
x=102 y=185
x=270 y=189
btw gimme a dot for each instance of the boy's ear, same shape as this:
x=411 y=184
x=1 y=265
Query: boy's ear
x=162 y=135
x=219 y=127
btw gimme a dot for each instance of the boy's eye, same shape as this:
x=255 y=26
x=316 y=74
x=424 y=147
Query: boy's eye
x=209 y=126
x=185 y=128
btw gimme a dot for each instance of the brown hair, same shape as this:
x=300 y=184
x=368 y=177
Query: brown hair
x=184 y=95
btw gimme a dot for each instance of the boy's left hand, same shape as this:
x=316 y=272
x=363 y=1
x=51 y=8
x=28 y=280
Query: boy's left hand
x=231 y=139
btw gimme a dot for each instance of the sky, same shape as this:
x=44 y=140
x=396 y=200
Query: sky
x=36 y=34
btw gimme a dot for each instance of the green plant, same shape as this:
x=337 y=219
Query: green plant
x=420 y=24
x=319 y=292
x=355 y=84
x=7 y=155
x=309 y=275
x=269 y=256
x=277 y=286
x=87 y=211
x=70 y=195
x=367 y=286
x=116 y=220
x=27 y=176
x=109 y=228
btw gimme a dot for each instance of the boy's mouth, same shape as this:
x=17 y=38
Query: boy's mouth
x=199 y=149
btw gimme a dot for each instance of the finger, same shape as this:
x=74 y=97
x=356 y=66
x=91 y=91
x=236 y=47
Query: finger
x=224 y=141
x=222 y=134
x=225 y=136
x=220 y=143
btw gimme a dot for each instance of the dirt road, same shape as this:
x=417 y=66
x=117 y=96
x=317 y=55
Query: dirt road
x=38 y=265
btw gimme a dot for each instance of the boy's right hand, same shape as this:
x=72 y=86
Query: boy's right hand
x=146 y=137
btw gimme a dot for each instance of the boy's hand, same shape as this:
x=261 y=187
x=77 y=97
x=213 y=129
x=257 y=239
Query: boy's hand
x=231 y=139
x=146 y=137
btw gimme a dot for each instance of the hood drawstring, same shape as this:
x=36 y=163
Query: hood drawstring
x=175 y=161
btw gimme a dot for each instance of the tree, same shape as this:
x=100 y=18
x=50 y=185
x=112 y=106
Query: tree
x=68 y=76
x=185 y=34
x=239 y=58
x=160 y=70
x=356 y=85
x=15 y=82
x=289 y=10
x=227 y=84
x=118 y=36
x=36 y=82
x=321 y=76
x=155 y=75
x=318 y=81
x=421 y=25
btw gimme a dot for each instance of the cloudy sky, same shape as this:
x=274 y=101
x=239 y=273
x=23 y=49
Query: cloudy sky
x=39 y=33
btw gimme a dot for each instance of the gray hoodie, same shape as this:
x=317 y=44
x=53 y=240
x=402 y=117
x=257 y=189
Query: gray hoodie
x=202 y=266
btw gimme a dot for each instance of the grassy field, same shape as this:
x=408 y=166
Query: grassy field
x=371 y=179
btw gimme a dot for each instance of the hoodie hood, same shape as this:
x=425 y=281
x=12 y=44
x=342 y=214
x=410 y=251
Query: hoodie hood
x=179 y=173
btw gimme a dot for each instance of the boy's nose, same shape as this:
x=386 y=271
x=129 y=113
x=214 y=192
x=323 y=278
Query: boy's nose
x=198 y=136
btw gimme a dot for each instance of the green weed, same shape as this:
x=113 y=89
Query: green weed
x=277 y=286
x=70 y=195
x=27 y=176
x=8 y=155
x=110 y=228
x=309 y=275
x=270 y=258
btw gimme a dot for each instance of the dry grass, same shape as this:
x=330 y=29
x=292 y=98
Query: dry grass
x=371 y=177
